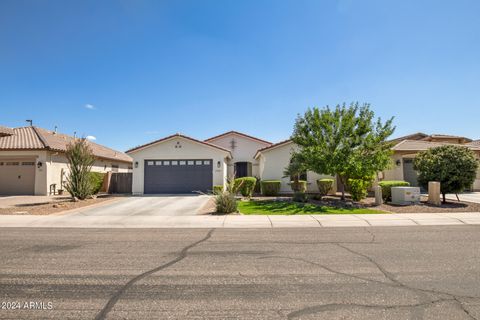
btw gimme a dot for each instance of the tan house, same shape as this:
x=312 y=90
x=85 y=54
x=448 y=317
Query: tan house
x=181 y=164
x=406 y=148
x=32 y=160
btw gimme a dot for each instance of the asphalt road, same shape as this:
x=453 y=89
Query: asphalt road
x=338 y=273
x=148 y=205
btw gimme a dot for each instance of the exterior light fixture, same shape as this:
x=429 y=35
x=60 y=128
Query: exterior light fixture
x=136 y=164
x=219 y=164
x=398 y=162
x=39 y=164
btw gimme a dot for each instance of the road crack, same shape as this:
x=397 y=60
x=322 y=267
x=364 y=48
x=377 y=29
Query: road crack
x=182 y=255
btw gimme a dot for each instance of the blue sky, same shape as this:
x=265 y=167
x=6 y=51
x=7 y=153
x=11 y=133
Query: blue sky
x=128 y=72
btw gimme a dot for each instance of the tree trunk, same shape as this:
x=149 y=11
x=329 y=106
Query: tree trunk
x=444 y=198
x=342 y=187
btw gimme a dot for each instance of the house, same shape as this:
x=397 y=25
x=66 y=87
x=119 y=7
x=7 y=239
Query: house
x=406 y=148
x=181 y=164
x=33 y=159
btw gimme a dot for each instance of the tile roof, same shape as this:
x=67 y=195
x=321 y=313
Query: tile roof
x=4 y=131
x=278 y=144
x=475 y=143
x=35 y=138
x=177 y=135
x=413 y=136
x=421 y=145
x=237 y=133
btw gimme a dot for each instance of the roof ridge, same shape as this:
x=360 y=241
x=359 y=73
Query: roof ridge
x=239 y=133
x=40 y=136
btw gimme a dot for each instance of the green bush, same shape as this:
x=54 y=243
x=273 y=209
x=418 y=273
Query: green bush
x=258 y=186
x=358 y=188
x=217 y=189
x=299 y=186
x=271 y=187
x=225 y=202
x=245 y=186
x=387 y=185
x=300 y=197
x=96 y=181
x=324 y=186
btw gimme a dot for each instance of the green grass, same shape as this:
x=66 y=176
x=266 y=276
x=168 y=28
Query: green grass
x=286 y=208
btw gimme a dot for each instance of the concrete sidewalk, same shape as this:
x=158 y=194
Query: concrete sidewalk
x=240 y=221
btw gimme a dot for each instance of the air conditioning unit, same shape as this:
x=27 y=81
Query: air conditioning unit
x=405 y=195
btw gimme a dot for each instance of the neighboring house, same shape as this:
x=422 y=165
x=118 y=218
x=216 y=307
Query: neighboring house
x=180 y=164
x=32 y=159
x=406 y=148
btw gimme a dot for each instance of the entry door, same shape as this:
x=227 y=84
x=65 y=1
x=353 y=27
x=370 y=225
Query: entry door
x=178 y=176
x=17 y=177
x=409 y=174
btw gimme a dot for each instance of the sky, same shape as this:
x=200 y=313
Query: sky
x=129 y=72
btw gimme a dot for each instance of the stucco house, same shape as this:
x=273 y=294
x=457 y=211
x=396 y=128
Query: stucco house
x=32 y=159
x=406 y=148
x=181 y=164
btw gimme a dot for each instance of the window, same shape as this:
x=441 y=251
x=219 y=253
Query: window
x=28 y=163
x=206 y=162
x=158 y=163
x=166 y=163
x=198 y=162
x=190 y=163
x=182 y=163
x=12 y=163
x=150 y=163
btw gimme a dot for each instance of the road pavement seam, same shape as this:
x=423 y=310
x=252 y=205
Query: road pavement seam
x=182 y=255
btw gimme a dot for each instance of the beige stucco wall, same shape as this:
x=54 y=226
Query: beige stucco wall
x=244 y=151
x=189 y=150
x=40 y=173
x=274 y=161
x=57 y=161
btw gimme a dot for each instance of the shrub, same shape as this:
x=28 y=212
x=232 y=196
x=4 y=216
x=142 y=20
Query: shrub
x=387 y=185
x=225 y=202
x=299 y=186
x=80 y=161
x=300 y=197
x=324 y=186
x=358 y=188
x=455 y=167
x=245 y=186
x=217 y=189
x=271 y=187
x=96 y=181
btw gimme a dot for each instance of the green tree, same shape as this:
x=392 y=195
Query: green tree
x=455 y=167
x=294 y=170
x=345 y=142
x=80 y=161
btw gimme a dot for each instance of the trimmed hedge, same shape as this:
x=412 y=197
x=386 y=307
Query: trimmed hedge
x=217 y=189
x=387 y=185
x=271 y=187
x=358 y=188
x=245 y=185
x=324 y=186
x=96 y=181
x=301 y=186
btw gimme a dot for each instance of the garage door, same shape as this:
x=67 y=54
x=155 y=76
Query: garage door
x=178 y=176
x=17 y=177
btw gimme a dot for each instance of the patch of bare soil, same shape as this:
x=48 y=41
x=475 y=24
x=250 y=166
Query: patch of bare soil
x=51 y=208
x=425 y=207
x=209 y=207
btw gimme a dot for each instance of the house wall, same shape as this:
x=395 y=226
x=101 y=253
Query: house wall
x=244 y=151
x=166 y=150
x=274 y=161
x=40 y=173
x=56 y=161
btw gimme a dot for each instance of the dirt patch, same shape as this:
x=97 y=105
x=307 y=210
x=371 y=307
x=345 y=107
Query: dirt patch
x=208 y=208
x=51 y=208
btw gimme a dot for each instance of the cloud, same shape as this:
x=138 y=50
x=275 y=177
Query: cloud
x=91 y=138
x=90 y=106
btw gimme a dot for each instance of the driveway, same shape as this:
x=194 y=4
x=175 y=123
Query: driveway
x=466 y=196
x=155 y=205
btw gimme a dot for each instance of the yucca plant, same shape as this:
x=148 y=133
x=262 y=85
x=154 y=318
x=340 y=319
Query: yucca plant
x=225 y=202
x=80 y=161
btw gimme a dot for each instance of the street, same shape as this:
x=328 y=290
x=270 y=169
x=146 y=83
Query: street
x=417 y=272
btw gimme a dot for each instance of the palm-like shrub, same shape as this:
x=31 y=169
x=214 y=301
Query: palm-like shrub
x=80 y=161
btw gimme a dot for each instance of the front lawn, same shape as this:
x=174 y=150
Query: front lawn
x=269 y=207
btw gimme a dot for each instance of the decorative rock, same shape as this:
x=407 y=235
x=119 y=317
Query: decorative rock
x=378 y=195
x=434 y=193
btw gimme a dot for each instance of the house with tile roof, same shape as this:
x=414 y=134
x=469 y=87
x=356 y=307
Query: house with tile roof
x=32 y=159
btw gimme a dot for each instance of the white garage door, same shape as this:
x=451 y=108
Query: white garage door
x=17 y=177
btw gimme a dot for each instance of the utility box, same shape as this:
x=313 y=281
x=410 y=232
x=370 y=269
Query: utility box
x=405 y=196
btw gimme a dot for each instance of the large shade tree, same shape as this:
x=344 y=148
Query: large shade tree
x=345 y=141
x=455 y=167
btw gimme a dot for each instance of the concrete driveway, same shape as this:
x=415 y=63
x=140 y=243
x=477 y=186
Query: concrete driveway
x=155 y=205
x=466 y=196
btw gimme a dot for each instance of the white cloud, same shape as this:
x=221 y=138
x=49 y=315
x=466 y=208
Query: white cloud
x=91 y=138
x=90 y=106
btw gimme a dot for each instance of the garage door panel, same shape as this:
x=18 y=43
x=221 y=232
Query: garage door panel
x=17 y=177
x=178 y=176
